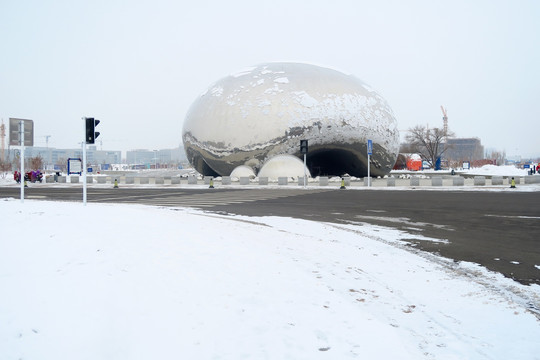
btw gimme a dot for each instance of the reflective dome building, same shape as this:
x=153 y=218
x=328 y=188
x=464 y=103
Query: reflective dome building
x=252 y=116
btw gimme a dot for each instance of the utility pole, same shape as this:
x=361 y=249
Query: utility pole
x=48 y=153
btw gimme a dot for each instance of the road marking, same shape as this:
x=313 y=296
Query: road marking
x=514 y=216
x=208 y=199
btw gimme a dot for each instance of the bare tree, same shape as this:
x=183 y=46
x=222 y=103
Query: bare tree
x=5 y=167
x=36 y=162
x=427 y=142
x=498 y=156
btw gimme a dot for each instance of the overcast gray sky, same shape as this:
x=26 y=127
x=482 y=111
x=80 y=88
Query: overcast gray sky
x=138 y=65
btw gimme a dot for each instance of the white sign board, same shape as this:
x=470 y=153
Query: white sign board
x=74 y=166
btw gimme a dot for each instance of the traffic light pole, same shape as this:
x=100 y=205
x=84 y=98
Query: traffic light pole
x=305 y=175
x=369 y=153
x=84 y=163
x=304 y=150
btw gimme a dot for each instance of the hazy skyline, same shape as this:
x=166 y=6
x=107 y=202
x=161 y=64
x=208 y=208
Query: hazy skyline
x=138 y=65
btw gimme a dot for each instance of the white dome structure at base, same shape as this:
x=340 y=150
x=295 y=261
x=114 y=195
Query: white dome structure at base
x=243 y=171
x=283 y=165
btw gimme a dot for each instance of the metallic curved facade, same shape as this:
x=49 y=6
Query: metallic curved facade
x=249 y=117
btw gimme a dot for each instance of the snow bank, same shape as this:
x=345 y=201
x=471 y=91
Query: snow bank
x=494 y=170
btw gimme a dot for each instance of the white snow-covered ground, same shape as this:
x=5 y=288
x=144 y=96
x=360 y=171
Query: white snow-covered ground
x=136 y=282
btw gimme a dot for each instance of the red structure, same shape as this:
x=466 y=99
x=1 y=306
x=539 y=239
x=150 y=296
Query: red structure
x=414 y=162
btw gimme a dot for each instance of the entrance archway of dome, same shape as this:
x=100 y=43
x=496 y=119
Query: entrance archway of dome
x=335 y=162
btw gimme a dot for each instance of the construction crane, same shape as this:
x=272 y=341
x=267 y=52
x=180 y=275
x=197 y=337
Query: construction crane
x=2 y=135
x=445 y=122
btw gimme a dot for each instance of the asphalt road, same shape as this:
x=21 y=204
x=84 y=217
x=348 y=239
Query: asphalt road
x=499 y=230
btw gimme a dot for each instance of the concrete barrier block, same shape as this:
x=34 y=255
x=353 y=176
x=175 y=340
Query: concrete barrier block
x=436 y=181
x=159 y=181
x=532 y=179
x=323 y=181
x=225 y=180
x=347 y=180
x=49 y=179
x=458 y=181
x=301 y=181
x=263 y=180
x=282 y=180
x=496 y=180
x=144 y=181
x=479 y=180
x=390 y=181
x=101 y=179
x=74 y=179
x=62 y=179
x=192 y=180
x=244 y=180
x=89 y=179
x=175 y=180
x=130 y=180
x=415 y=181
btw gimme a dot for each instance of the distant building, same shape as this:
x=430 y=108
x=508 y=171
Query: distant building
x=464 y=149
x=153 y=157
x=107 y=157
x=57 y=158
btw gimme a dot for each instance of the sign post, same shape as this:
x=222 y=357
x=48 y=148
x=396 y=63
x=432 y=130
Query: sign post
x=23 y=174
x=21 y=133
x=369 y=153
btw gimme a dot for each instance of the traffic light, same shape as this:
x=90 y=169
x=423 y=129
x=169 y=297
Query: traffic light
x=91 y=133
x=303 y=146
